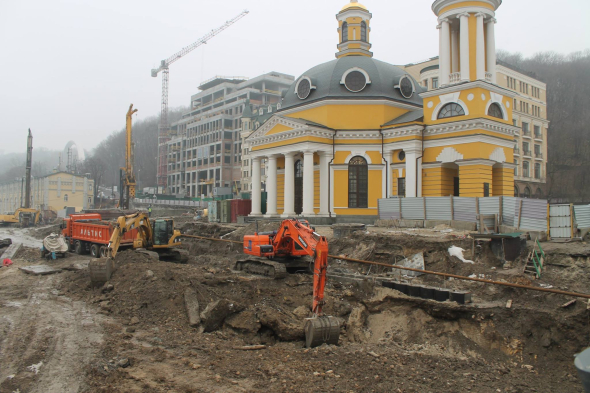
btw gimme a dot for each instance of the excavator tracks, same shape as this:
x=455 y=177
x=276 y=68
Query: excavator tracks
x=262 y=267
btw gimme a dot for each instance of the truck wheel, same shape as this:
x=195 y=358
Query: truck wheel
x=79 y=247
x=95 y=250
x=103 y=251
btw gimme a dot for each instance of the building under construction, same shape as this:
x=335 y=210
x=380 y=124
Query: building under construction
x=206 y=149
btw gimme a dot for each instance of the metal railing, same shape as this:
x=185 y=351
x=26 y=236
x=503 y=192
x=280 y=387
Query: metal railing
x=527 y=153
x=488 y=76
x=538 y=155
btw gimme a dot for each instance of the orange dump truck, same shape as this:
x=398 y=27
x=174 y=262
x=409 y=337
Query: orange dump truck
x=88 y=233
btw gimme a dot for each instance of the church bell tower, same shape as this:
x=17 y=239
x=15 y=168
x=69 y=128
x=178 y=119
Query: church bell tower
x=353 y=30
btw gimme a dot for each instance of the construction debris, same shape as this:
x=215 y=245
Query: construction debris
x=11 y=251
x=192 y=307
x=571 y=302
x=40 y=270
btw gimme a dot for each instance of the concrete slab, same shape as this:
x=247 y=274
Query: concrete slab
x=11 y=251
x=83 y=265
x=40 y=270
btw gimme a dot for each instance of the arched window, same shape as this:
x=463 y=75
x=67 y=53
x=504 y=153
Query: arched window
x=527 y=192
x=364 y=31
x=495 y=111
x=451 y=110
x=358 y=183
x=345 y=32
x=539 y=194
x=516 y=192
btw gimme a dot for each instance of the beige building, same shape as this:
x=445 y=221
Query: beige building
x=52 y=192
x=529 y=114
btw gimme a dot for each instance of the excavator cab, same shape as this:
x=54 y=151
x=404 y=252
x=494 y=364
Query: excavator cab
x=163 y=231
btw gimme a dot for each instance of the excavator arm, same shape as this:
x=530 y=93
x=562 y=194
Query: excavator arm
x=125 y=224
x=298 y=238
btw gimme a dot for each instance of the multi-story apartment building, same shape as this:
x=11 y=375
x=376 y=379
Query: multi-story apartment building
x=529 y=114
x=206 y=151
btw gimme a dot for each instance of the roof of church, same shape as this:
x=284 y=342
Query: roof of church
x=327 y=77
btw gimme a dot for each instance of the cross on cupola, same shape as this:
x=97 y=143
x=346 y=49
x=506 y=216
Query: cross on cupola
x=353 y=30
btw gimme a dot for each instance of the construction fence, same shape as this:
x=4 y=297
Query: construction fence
x=520 y=213
x=172 y=202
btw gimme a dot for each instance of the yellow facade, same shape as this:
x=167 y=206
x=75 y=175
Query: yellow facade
x=390 y=137
x=52 y=192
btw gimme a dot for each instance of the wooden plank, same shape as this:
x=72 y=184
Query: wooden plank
x=452 y=209
x=519 y=214
x=500 y=220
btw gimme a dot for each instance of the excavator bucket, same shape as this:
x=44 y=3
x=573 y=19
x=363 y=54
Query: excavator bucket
x=101 y=270
x=322 y=330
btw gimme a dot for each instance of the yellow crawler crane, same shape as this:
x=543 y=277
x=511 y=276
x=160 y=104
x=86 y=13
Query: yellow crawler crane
x=127 y=173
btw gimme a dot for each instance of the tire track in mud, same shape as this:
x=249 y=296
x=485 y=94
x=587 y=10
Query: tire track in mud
x=46 y=340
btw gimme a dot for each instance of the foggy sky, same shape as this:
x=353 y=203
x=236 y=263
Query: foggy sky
x=70 y=69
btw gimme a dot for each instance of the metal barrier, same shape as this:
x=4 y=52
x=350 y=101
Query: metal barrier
x=520 y=213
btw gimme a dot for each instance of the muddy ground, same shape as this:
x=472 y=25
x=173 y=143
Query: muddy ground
x=57 y=333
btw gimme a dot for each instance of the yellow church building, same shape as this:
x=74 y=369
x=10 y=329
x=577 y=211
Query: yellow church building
x=354 y=130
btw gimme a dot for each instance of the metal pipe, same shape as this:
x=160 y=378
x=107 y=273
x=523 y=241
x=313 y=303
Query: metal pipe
x=448 y=275
x=506 y=284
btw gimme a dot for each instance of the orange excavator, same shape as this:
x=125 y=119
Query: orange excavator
x=295 y=238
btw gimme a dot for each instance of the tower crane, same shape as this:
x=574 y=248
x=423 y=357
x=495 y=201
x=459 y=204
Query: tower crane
x=164 y=69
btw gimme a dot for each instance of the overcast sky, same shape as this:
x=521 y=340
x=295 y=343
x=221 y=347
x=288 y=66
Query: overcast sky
x=70 y=69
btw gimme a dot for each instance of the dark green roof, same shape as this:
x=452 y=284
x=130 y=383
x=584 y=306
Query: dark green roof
x=429 y=68
x=406 y=118
x=326 y=78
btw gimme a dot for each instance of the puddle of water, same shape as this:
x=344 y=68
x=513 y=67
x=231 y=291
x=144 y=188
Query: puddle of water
x=18 y=235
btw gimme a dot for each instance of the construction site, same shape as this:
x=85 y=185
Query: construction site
x=204 y=326
x=324 y=245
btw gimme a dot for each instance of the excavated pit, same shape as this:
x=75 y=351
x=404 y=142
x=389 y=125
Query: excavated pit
x=386 y=336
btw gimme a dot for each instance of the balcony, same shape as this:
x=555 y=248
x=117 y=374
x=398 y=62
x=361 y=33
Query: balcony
x=526 y=134
x=527 y=153
x=539 y=156
x=516 y=151
x=455 y=77
x=488 y=76
x=539 y=136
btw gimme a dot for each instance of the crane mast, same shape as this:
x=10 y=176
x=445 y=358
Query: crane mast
x=163 y=128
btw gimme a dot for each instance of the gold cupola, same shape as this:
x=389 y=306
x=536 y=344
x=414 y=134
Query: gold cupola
x=354 y=30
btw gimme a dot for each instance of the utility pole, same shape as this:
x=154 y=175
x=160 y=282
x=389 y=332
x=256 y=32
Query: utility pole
x=29 y=164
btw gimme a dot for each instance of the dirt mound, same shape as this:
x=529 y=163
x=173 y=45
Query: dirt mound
x=206 y=229
x=43 y=232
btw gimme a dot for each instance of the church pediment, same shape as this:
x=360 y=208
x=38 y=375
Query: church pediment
x=279 y=128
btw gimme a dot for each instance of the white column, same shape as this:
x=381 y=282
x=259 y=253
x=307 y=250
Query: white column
x=411 y=172
x=454 y=51
x=324 y=186
x=256 y=191
x=271 y=187
x=308 y=184
x=491 y=48
x=445 y=52
x=480 y=51
x=289 y=186
x=389 y=173
x=464 y=41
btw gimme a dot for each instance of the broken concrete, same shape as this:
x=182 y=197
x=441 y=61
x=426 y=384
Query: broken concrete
x=245 y=322
x=40 y=270
x=285 y=325
x=11 y=251
x=356 y=321
x=213 y=316
x=192 y=307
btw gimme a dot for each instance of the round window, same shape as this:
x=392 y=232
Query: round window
x=355 y=81
x=303 y=89
x=401 y=155
x=406 y=87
